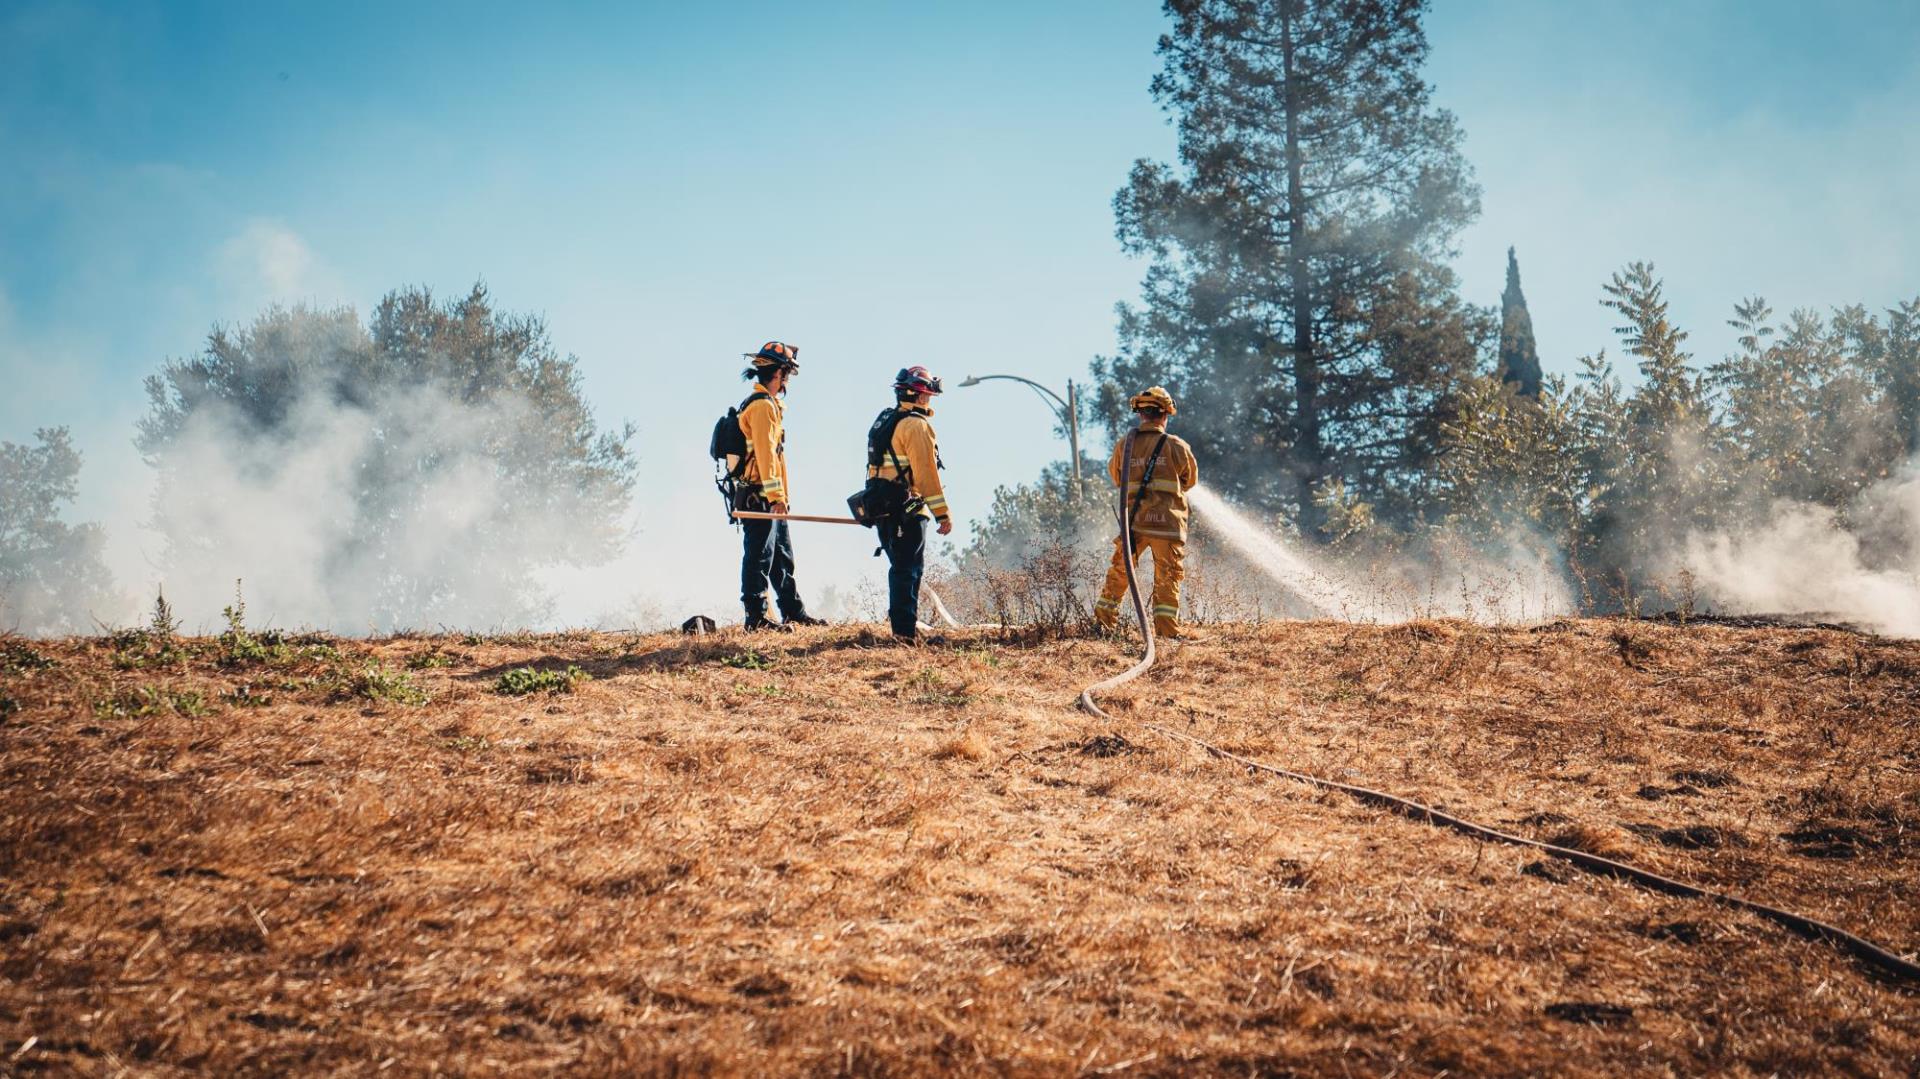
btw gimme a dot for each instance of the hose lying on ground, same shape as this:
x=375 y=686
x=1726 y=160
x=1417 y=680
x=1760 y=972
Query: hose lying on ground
x=1874 y=955
x=939 y=608
x=1139 y=606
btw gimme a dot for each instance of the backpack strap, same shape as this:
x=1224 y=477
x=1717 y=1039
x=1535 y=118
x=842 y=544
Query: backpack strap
x=880 y=443
x=740 y=469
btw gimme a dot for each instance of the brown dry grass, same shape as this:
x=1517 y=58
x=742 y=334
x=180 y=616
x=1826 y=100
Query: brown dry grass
x=824 y=857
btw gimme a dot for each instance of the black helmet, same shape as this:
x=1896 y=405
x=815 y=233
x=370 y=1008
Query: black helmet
x=777 y=354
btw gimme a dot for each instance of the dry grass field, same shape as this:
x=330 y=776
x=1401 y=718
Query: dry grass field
x=816 y=854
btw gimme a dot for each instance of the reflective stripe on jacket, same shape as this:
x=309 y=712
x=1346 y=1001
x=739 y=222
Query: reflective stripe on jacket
x=1163 y=506
x=763 y=421
x=915 y=447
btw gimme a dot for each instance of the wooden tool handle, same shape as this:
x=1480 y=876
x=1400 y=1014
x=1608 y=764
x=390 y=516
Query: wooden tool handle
x=753 y=515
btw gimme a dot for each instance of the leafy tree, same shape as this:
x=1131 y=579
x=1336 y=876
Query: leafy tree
x=431 y=462
x=1512 y=461
x=1599 y=407
x=1802 y=416
x=1656 y=476
x=1763 y=397
x=1519 y=359
x=52 y=576
x=1298 y=303
x=1898 y=372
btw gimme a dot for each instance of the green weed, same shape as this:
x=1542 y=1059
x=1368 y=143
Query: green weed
x=524 y=680
x=934 y=690
x=162 y=623
x=142 y=701
x=376 y=683
x=140 y=648
x=239 y=645
x=982 y=655
x=17 y=658
x=246 y=695
x=748 y=660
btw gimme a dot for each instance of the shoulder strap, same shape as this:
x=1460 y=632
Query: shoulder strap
x=1146 y=476
x=880 y=441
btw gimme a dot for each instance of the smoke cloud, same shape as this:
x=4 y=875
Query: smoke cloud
x=1806 y=560
x=395 y=514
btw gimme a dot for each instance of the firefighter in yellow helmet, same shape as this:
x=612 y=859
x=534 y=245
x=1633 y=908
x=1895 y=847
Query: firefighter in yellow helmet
x=1157 y=470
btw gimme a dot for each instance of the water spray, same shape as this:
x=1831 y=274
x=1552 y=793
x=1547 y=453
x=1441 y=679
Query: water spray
x=1286 y=567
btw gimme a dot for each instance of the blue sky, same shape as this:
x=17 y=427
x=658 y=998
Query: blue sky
x=883 y=184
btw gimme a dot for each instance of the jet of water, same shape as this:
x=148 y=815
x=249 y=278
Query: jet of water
x=1284 y=566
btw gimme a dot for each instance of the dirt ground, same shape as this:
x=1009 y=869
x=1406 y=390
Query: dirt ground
x=820 y=854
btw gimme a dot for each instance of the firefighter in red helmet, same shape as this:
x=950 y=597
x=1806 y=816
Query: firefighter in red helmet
x=903 y=454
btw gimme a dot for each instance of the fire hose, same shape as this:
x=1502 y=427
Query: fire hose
x=1868 y=952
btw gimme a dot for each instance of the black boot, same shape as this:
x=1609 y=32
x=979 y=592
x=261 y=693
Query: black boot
x=803 y=619
x=757 y=623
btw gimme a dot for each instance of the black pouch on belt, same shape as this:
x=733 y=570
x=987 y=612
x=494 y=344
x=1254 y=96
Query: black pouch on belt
x=747 y=497
x=879 y=501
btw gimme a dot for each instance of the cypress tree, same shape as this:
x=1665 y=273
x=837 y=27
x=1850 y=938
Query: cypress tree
x=1519 y=360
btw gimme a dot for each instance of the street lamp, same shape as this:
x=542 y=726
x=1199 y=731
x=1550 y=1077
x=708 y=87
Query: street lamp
x=1068 y=409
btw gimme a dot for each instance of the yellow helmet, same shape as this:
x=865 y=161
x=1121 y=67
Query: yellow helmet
x=1153 y=397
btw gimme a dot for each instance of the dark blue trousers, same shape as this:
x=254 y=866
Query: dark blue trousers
x=905 y=542
x=767 y=558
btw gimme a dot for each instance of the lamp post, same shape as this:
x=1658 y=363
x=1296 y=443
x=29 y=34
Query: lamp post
x=1069 y=410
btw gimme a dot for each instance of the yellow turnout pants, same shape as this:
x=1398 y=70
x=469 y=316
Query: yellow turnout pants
x=1169 y=557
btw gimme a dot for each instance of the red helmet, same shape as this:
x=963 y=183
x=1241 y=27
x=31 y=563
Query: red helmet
x=916 y=380
x=777 y=354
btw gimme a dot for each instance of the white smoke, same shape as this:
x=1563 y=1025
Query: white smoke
x=401 y=514
x=1805 y=560
x=270 y=258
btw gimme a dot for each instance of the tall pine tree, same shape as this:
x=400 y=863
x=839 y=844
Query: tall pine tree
x=1298 y=299
x=1519 y=360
